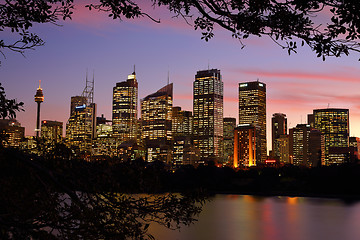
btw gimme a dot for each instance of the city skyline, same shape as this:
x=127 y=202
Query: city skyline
x=296 y=84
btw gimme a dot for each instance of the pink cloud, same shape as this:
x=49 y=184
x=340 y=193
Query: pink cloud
x=288 y=74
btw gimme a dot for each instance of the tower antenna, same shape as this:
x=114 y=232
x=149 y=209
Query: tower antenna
x=88 y=91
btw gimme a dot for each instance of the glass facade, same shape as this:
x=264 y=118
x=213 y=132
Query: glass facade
x=208 y=114
x=229 y=126
x=278 y=128
x=52 y=130
x=245 y=142
x=81 y=126
x=333 y=123
x=124 y=109
x=156 y=117
x=252 y=110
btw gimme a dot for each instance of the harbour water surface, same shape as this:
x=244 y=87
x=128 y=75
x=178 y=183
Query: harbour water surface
x=242 y=217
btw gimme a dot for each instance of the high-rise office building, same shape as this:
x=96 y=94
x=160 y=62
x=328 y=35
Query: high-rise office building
x=283 y=145
x=245 y=142
x=104 y=144
x=124 y=111
x=182 y=123
x=306 y=146
x=333 y=123
x=316 y=148
x=81 y=126
x=52 y=131
x=354 y=143
x=208 y=114
x=252 y=110
x=299 y=144
x=279 y=128
x=12 y=133
x=156 y=117
x=229 y=126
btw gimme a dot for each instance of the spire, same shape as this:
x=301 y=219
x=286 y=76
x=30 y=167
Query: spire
x=134 y=70
x=39 y=84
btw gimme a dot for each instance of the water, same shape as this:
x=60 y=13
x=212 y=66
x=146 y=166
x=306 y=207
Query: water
x=241 y=217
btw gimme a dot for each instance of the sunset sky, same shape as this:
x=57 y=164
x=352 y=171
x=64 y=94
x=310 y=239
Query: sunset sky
x=296 y=84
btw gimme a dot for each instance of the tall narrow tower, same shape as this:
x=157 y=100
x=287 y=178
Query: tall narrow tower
x=252 y=110
x=39 y=98
x=208 y=114
x=125 y=108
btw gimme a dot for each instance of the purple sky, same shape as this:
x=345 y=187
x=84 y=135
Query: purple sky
x=296 y=84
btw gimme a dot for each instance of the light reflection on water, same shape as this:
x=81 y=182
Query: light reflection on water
x=242 y=217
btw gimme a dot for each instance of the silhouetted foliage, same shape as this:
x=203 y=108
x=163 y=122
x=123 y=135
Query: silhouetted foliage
x=9 y=107
x=50 y=198
x=288 y=23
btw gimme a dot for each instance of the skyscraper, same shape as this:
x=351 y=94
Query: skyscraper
x=81 y=126
x=156 y=116
x=333 y=123
x=52 y=130
x=13 y=131
x=182 y=123
x=245 y=142
x=228 y=142
x=299 y=144
x=125 y=106
x=252 y=110
x=279 y=128
x=39 y=98
x=208 y=114
x=306 y=145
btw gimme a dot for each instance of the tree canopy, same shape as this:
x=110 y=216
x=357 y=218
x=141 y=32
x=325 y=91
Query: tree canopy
x=9 y=107
x=289 y=23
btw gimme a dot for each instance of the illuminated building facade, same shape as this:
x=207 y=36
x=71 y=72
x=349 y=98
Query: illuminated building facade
x=283 y=145
x=12 y=132
x=279 y=128
x=354 y=142
x=229 y=126
x=252 y=110
x=81 y=126
x=104 y=144
x=125 y=107
x=306 y=146
x=245 y=142
x=299 y=144
x=333 y=123
x=156 y=117
x=208 y=114
x=182 y=124
x=52 y=131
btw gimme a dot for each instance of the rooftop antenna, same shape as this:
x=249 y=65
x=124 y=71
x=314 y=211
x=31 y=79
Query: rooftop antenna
x=208 y=64
x=134 y=69
x=88 y=91
x=328 y=105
